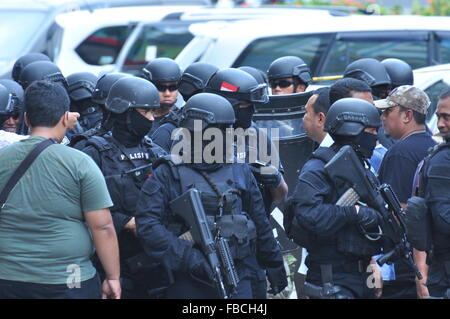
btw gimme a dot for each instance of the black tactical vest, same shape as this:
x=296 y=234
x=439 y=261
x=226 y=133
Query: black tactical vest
x=350 y=240
x=226 y=205
x=441 y=241
x=125 y=169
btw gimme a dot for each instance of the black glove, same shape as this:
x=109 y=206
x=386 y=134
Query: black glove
x=368 y=217
x=277 y=278
x=269 y=176
x=199 y=268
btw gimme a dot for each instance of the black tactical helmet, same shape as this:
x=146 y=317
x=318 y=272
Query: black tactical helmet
x=81 y=85
x=23 y=61
x=130 y=92
x=348 y=117
x=104 y=84
x=41 y=70
x=212 y=109
x=399 y=71
x=194 y=78
x=259 y=75
x=6 y=103
x=16 y=90
x=289 y=66
x=368 y=70
x=237 y=86
x=162 y=70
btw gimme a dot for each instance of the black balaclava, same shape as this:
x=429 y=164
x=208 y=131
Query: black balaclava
x=365 y=144
x=130 y=127
x=244 y=116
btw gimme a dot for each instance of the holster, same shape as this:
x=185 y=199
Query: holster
x=328 y=290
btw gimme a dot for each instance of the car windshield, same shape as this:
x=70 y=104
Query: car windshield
x=17 y=28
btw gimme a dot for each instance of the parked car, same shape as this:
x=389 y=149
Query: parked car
x=94 y=45
x=434 y=80
x=326 y=43
x=30 y=26
x=166 y=38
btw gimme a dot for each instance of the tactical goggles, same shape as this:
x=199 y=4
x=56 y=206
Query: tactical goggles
x=190 y=83
x=302 y=72
x=82 y=84
x=57 y=77
x=257 y=94
x=281 y=83
x=163 y=88
x=361 y=75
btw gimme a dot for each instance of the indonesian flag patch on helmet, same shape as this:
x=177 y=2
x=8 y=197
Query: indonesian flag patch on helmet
x=228 y=87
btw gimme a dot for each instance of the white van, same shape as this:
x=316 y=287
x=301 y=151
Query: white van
x=326 y=43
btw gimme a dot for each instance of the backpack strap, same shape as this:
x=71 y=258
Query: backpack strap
x=23 y=167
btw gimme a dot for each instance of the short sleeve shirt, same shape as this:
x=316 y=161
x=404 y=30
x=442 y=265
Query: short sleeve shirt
x=43 y=235
x=400 y=162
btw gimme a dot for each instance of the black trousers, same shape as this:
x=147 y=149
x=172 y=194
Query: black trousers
x=187 y=288
x=353 y=284
x=89 y=289
x=438 y=279
x=396 y=289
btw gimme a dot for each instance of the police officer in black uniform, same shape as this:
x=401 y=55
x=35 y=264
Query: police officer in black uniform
x=429 y=230
x=288 y=74
x=125 y=158
x=242 y=91
x=165 y=74
x=99 y=95
x=226 y=187
x=81 y=85
x=339 y=254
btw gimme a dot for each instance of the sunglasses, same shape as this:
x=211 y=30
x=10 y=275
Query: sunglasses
x=281 y=83
x=163 y=88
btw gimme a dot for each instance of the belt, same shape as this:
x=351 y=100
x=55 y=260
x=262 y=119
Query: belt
x=357 y=266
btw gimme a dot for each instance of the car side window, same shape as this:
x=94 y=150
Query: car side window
x=156 y=41
x=434 y=91
x=444 y=46
x=103 y=46
x=346 y=49
x=260 y=53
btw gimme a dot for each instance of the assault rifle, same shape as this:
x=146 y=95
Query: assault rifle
x=189 y=207
x=346 y=169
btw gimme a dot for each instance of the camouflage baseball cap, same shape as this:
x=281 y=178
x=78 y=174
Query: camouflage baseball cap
x=408 y=96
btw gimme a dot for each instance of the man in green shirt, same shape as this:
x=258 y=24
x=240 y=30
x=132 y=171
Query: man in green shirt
x=57 y=212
